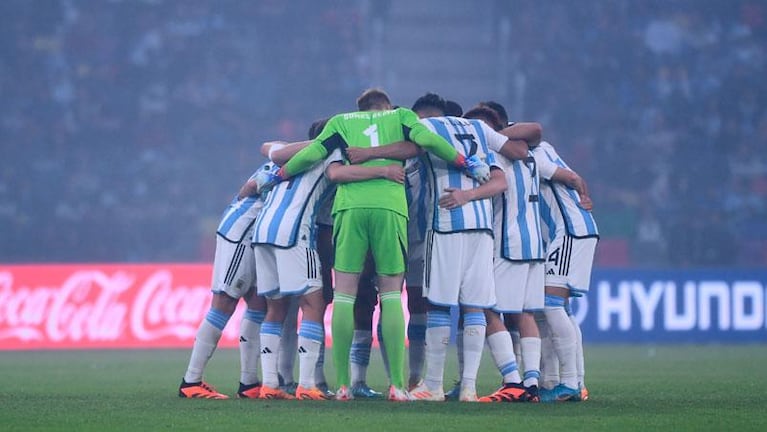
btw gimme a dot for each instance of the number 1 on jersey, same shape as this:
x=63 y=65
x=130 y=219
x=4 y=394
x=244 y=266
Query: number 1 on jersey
x=372 y=133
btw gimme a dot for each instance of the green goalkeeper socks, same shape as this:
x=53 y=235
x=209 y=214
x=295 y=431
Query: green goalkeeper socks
x=393 y=330
x=343 y=332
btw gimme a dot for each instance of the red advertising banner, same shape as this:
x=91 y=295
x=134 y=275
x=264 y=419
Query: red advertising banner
x=110 y=306
x=105 y=306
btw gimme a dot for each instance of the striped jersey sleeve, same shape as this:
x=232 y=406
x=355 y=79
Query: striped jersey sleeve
x=560 y=202
x=291 y=208
x=240 y=215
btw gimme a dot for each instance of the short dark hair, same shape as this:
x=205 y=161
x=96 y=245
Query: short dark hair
x=373 y=98
x=430 y=100
x=453 y=108
x=498 y=108
x=316 y=128
x=488 y=115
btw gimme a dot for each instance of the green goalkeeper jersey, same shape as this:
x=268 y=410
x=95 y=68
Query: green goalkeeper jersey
x=370 y=129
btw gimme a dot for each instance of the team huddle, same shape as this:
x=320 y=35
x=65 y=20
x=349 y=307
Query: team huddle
x=463 y=209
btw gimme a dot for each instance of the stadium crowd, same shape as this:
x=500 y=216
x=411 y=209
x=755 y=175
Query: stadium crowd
x=109 y=107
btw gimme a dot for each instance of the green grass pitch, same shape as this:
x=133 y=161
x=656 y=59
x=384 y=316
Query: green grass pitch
x=680 y=388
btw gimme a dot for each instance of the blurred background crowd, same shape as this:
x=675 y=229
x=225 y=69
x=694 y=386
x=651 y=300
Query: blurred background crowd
x=127 y=126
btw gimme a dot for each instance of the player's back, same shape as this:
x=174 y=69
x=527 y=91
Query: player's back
x=468 y=137
x=371 y=129
x=560 y=208
x=240 y=214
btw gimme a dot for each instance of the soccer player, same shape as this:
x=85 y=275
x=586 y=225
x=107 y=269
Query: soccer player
x=459 y=246
x=234 y=277
x=372 y=215
x=571 y=236
x=288 y=265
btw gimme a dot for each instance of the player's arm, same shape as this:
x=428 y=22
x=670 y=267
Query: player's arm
x=401 y=150
x=337 y=172
x=530 y=132
x=573 y=180
x=454 y=198
x=249 y=189
x=280 y=152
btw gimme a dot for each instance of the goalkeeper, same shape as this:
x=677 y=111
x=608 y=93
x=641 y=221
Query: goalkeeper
x=371 y=215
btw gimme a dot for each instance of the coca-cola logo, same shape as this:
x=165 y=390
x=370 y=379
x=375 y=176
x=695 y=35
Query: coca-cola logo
x=93 y=305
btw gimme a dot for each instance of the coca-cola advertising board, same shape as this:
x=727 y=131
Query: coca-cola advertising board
x=105 y=306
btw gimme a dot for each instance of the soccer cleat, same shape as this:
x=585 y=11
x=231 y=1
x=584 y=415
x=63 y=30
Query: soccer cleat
x=560 y=393
x=249 y=391
x=532 y=394
x=468 y=395
x=310 y=394
x=344 y=394
x=199 y=390
x=399 y=395
x=274 y=393
x=421 y=392
x=584 y=394
x=454 y=392
x=362 y=391
x=323 y=387
x=510 y=392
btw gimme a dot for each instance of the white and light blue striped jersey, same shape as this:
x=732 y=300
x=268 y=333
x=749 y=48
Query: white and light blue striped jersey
x=559 y=203
x=417 y=194
x=292 y=206
x=517 y=221
x=240 y=214
x=469 y=137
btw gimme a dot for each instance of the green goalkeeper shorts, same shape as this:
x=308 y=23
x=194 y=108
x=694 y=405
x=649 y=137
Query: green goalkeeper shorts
x=382 y=231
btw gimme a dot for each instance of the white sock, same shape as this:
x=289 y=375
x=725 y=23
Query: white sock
x=205 y=343
x=360 y=355
x=270 y=348
x=309 y=342
x=502 y=350
x=319 y=368
x=517 y=347
x=474 y=328
x=531 y=353
x=563 y=340
x=459 y=351
x=579 y=363
x=437 y=339
x=549 y=359
x=250 y=346
x=416 y=333
x=289 y=344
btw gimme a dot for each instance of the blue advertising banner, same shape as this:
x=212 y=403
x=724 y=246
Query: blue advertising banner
x=670 y=306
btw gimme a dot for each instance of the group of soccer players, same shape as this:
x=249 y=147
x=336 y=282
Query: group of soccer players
x=468 y=209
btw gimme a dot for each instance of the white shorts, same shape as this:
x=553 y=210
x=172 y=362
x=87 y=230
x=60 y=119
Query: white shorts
x=518 y=286
x=459 y=269
x=282 y=272
x=234 y=268
x=414 y=273
x=568 y=263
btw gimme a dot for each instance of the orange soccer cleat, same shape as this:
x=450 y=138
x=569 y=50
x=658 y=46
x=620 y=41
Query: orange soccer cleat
x=249 y=391
x=274 y=393
x=511 y=392
x=199 y=390
x=313 y=393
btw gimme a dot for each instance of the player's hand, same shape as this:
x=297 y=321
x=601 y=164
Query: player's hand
x=454 y=198
x=477 y=169
x=267 y=179
x=358 y=155
x=394 y=173
x=585 y=202
x=249 y=189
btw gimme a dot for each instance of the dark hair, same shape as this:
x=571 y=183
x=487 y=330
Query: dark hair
x=373 y=98
x=429 y=100
x=453 y=108
x=498 y=108
x=316 y=128
x=488 y=115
